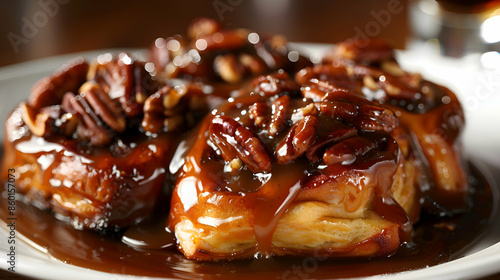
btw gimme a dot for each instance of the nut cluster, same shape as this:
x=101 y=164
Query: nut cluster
x=285 y=126
x=90 y=103
x=216 y=53
x=172 y=108
x=373 y=66
x=237 y=142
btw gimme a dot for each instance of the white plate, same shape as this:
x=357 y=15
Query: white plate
x=476 y=86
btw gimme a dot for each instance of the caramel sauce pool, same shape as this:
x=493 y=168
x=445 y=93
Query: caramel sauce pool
x=434 y=240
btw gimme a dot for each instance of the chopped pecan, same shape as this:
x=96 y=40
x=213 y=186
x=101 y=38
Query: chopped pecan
x=67 y=124
x=153 y=111
x=259 y=113
x=298 y=140
x=279 y=117
x=144 y=83
x=300 y=113
x=320 y=90
x=160 y=54
x=161 y=110
x=275 y=84
x=235 y=141
x=47 y=120
x=314 y=93
x=50 y=90
x=90 y=126
x=173 y=108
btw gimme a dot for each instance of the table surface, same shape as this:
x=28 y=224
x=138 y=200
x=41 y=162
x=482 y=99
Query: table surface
x=31 y=30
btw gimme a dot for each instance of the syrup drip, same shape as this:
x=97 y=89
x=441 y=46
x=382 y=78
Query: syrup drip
x=271 y=202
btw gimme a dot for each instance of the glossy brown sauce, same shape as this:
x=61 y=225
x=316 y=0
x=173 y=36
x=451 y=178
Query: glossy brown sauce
x=434 y=242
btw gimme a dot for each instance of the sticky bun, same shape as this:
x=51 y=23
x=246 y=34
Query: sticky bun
x=279 y=173
x=77 y=147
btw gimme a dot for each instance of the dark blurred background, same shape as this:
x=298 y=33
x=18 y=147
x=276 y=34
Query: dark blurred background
x=31 y=29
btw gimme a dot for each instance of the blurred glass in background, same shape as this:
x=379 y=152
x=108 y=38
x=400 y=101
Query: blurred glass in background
x=456 y=28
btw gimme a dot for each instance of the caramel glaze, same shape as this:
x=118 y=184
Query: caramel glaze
x=153 y=254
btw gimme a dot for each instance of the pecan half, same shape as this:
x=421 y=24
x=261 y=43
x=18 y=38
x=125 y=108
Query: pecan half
x=163 y=52
x=364 y=117
x=125 y=80
x=235 y=141
x=90 y=126
x=337 y=109
x=103 y=106
x=298 y=140
x=50 y=90
x=272 y=117
x=376 y=118
x=392 y=67
x=279 y=118
x=346 y=151
x=323 y=142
